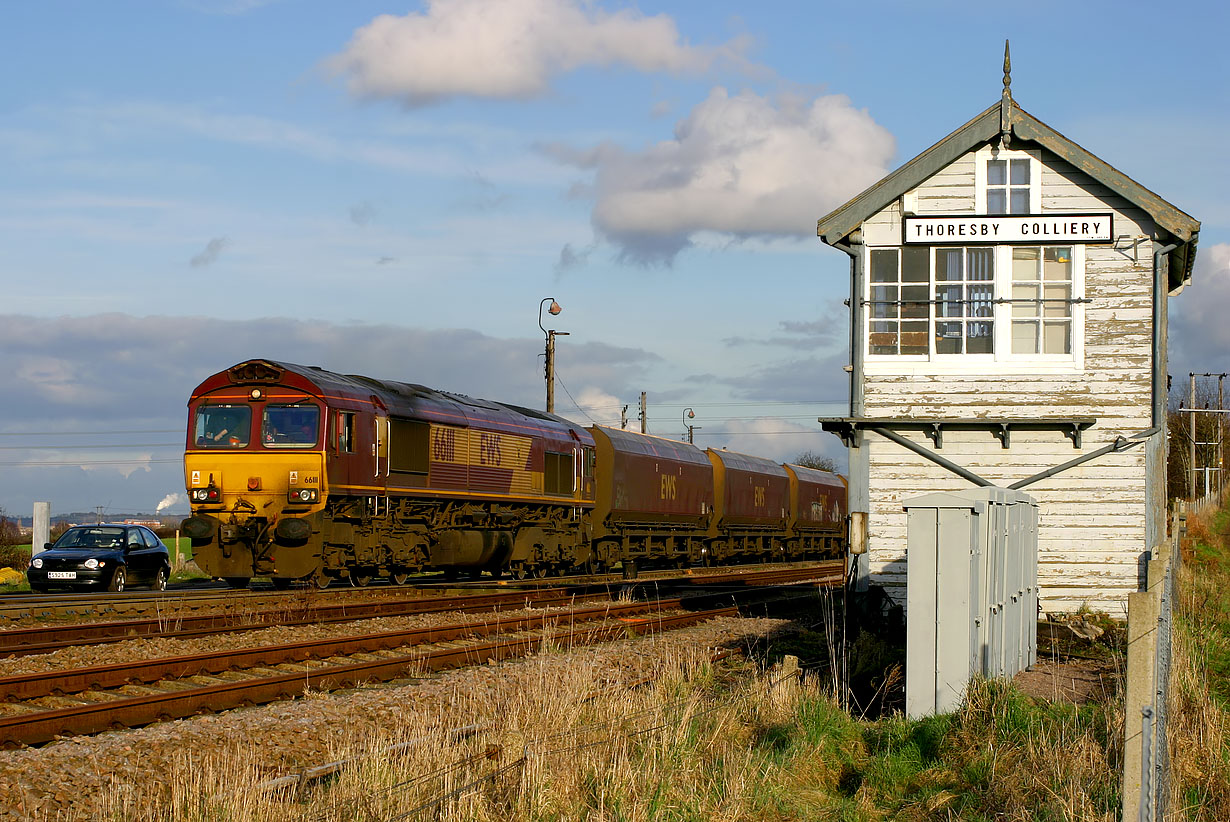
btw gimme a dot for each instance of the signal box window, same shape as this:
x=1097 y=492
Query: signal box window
x=290 y=426
x=1041 y=300
x=222 y=426
x=964 y=294
x=345 y=432
x=559 y=476
x=899 y=301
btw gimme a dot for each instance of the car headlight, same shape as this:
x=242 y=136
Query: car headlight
x=91 y=563
x=303 y=495
x=36 y=563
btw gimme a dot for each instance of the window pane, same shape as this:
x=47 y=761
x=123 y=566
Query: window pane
x=1057 y=338
x=1025 y=263
x=980 y=297
x=914 y=338
x=915 y=264
x=1057 y=292
x=884 y=266
x=1020 y=172
x=981 y=263
x=948 y=264
x=914 y=298
x=997 y=202
x=997 y=172
x=1057 y=264
x=1024 y=292
x=1020 y=201
x=948 y=338
x=1024 y=338
x=948 y=301
x=980 y=338
x=883 y=338
x=290 y=426
x=223 y=426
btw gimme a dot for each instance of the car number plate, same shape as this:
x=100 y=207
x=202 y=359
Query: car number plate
x=61 y=575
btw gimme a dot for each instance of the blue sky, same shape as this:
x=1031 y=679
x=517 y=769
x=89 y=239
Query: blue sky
x=391 y=189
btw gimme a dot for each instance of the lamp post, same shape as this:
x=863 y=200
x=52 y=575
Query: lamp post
x=549 y=336
x=689 y=414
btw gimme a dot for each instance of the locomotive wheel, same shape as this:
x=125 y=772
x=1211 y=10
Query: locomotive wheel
x=361 y=579
x=400 y=578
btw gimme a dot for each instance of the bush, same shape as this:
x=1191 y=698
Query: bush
x=16 y=557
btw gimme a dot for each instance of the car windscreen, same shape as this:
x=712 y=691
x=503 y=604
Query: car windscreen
x=91 y=538
x=222 y=426
x=290 y=426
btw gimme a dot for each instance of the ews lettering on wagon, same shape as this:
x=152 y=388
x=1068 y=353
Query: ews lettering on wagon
x=489 y=449
x=758 y=496
x=670 y=486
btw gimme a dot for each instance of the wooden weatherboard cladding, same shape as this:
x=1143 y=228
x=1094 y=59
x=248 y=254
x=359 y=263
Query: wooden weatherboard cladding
x=1030 y=229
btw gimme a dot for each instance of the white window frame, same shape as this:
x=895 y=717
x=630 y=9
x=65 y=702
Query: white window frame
x=993 y=152
x=1002 y=360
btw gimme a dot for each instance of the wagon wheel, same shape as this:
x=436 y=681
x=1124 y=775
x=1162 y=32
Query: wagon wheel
x=400 y=577
x=474 y=573
x=320 y=579
x=518 y=570
x=539 y=571
x=360 y=579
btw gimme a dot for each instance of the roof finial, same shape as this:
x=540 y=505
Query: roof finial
x=1005 y=103
x=1007 y=71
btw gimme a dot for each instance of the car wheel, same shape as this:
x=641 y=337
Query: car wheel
x=160 y=581
x=118 y=578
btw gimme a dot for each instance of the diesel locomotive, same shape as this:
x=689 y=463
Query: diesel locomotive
x=297 y=473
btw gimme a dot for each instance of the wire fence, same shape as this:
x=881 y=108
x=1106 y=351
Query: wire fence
x=1146 y=760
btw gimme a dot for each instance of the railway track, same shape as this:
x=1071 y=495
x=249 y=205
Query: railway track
x=67 y=606
x=140 y=693
x=27 y=641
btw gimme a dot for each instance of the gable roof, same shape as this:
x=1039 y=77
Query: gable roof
x=1185 y=229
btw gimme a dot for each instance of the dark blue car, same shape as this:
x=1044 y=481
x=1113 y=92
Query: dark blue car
x=101 y=557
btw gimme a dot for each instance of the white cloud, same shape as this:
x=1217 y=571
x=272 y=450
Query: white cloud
x=1199 y=333
x=743 y=166
x=508 y=49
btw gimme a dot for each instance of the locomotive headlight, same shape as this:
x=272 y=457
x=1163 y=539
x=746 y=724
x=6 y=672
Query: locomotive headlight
x=91 y=563
x=37 y=562
x=303 y=495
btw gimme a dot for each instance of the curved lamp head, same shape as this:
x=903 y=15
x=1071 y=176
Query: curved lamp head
x=554 y=309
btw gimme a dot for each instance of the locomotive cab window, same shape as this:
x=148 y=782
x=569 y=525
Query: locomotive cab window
x=222 y=426
x=290 y=426
x=345 y=432
x=559 y=476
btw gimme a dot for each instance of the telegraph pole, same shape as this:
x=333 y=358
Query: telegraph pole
x=1191 y=403
x=550 y=335
x=644 y=417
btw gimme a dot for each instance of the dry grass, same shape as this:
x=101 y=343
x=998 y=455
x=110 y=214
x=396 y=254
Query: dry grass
x=1199 y=724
